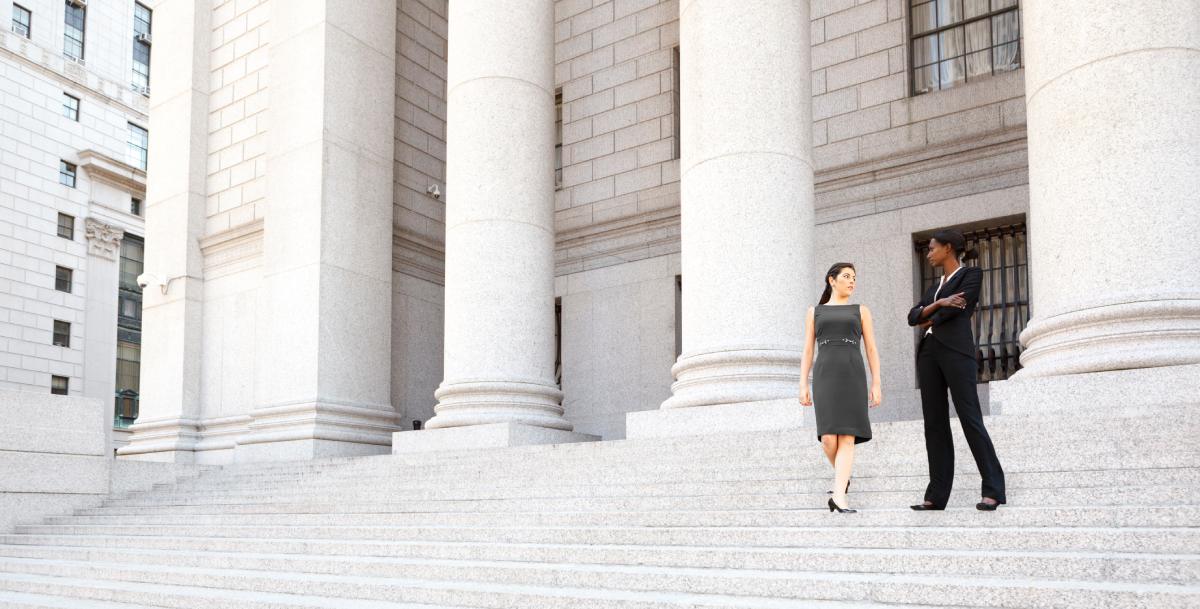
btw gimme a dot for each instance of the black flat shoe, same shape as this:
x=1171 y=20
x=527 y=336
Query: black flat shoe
x=927 y=507
x=984 y=506
x=847 y=487
x=833 y=506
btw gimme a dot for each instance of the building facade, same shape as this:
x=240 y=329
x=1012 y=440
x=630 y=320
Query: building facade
x=554 y=216
x=72 y=185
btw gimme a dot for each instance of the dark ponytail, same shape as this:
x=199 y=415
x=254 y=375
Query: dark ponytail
x=830 y=274
x=958 y=242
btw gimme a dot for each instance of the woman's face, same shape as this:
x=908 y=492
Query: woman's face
x=939 y=252
x=843 y=282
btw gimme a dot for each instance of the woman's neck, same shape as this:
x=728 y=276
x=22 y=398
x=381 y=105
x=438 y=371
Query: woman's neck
x=839 y=300
x=950 y=266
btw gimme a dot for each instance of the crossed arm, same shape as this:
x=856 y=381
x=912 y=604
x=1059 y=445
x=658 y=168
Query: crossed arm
x=937 y=312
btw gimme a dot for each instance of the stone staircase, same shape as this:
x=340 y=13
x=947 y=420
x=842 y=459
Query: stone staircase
x=1103 y=513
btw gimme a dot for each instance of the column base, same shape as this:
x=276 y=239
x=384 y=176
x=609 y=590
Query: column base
x=735 y=376
x=766 y=415
x=1092 y=394
x=167 y=441
x=315 y=430
x=474 y=403
x=494 y=435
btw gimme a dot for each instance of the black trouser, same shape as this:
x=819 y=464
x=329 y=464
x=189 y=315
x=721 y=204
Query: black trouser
x=939 y=368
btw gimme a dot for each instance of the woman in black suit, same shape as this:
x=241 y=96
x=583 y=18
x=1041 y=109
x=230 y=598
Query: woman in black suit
x=946 y=360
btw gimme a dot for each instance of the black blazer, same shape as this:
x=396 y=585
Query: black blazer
x=952 y=327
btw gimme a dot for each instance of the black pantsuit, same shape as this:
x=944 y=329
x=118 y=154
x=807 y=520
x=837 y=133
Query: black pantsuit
x=946 y=361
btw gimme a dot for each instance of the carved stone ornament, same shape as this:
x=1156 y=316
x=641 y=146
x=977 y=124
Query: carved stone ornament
x=104 y=240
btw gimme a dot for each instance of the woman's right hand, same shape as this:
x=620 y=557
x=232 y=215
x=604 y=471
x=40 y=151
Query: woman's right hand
x=805 y=396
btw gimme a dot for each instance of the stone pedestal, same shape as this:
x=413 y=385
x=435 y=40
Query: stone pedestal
x=324 y=378
x=747 y=200
x=1114 y=172
x=499 y=349
x=169 y=403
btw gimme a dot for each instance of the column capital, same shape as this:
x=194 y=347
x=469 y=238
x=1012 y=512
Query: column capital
x=104 y=240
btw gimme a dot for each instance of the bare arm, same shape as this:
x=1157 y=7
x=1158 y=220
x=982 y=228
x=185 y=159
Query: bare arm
x=810 y=342
x=868 y=327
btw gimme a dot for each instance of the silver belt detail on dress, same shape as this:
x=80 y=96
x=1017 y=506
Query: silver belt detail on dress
x=837 y=340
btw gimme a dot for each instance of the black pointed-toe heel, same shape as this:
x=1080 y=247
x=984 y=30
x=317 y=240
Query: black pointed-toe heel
x=927 y=507
x=984 y=506
x=834 y=507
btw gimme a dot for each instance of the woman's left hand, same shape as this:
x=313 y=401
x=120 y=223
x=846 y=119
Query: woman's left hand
x=876 y=396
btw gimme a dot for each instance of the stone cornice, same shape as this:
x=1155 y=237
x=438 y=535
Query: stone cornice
x=104 y=240
x=51 y=63
x=232 y=249
x=628 y=239
x=418 y=256
x=107 y=169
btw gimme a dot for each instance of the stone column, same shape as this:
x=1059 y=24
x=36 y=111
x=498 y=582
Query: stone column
x=169 y=404
x=747 y=200
x=499 y=349
x=324 y=370
x=1114 y=170
x=100 y=317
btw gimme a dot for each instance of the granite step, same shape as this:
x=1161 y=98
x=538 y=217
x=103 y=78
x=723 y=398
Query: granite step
x=495 y=586
x=1069 y=565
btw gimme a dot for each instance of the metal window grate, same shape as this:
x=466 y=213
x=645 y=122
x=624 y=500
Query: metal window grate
x=1003 y=309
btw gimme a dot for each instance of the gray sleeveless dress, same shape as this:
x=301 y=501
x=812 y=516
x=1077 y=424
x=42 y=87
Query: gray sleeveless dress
x=839 y=377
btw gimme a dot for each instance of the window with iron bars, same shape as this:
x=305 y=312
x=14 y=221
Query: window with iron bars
x=1003 y=309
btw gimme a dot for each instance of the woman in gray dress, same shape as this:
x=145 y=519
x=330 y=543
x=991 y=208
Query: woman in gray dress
x=839 y=381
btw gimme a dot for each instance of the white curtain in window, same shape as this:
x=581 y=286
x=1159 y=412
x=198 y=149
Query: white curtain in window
x=1005 y=35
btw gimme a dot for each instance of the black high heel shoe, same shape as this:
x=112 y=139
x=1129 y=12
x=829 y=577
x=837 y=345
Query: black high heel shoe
x=927 y=507
x=834 y=506
x=847 y=487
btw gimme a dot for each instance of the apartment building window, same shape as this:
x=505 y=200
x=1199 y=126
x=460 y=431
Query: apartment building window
x=139 y=141
x=129 y=331
x=62 y=279
x=74 y=19
x=66 y=226
x=141 y=48
x=62 y=333
x=59 y=385
x=22 y=21
x=71 y=106
x=958 y=41
x=558 y=139
x=676 y=101
x=1003 y=309
x=135 y=206
x=66 y=174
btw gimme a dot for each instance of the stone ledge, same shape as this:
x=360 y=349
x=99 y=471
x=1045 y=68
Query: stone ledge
x=768 y=415
x=494 y=435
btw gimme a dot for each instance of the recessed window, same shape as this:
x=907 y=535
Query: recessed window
x=62 y=278
x=59 y=385
x=139 y=142
x=135 y=206
x=675 y=71
x=71 y=107
x=958 y=41
x=66 y=226
x=558 y=139
x=62 y=333
x=74 y=20
x=66 y=174
x=141 y=48
x=22 y=21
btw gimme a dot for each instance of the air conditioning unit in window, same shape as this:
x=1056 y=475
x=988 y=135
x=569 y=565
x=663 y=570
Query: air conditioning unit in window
x=140 y=89
x=77 y=3
x=143 y=38
x=78 y=60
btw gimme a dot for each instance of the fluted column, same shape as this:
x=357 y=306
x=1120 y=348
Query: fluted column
x=747 y=199
x=499 y=350
x=1113 y=104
